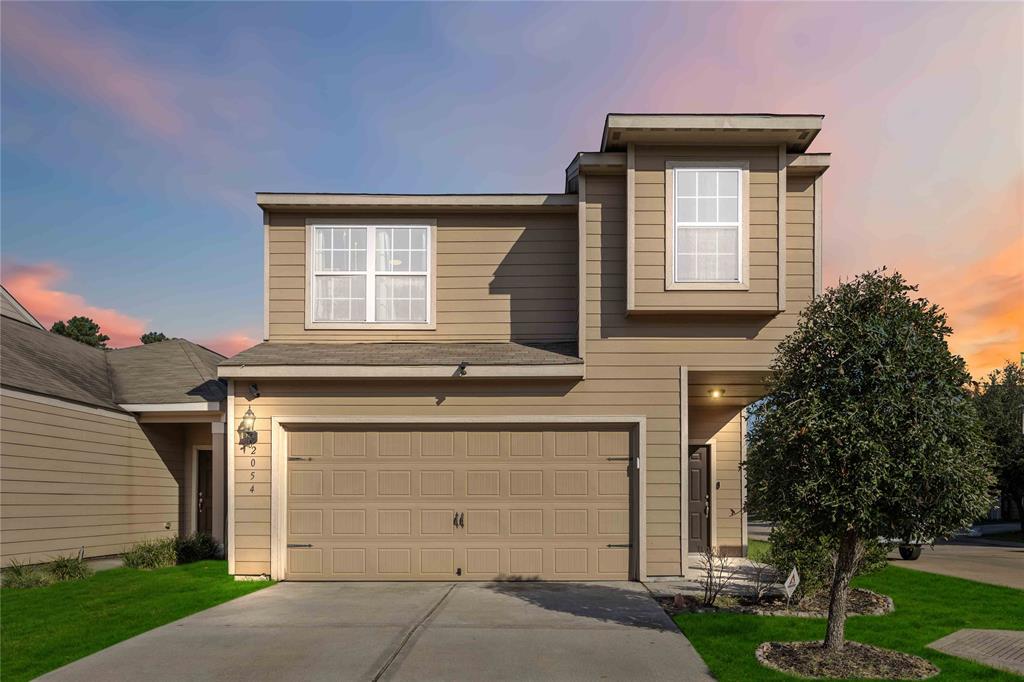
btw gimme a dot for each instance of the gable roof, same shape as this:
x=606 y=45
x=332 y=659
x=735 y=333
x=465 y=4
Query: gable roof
x=172 y=371
x=37 y=361
x=10 y=307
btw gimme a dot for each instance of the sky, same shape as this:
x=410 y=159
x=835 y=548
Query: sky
x=134 y=135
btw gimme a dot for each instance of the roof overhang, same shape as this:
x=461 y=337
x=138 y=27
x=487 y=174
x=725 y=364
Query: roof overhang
x=808 y=164
x=417 y=202
x=796 y=131
x=176 y=413
x=468 y=371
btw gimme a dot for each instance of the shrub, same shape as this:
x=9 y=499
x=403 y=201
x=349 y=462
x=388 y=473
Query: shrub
x=21 y=576
x=196 y=547
x=68 y=568
x=152 y=554
x=814 y=558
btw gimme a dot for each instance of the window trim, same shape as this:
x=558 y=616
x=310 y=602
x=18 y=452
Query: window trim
x=670 y=227
x=429 y=223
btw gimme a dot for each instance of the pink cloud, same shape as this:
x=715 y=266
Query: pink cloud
x=94 y=69
x=35 y=288
x=229 y=344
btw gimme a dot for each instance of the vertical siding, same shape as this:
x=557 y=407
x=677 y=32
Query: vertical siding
x=499 y=278
x=71 y=478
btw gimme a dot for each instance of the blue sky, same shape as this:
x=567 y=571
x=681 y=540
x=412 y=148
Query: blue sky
x=135 y=134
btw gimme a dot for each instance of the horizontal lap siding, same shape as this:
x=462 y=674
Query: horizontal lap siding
x=649 y=229
x=70 y=478
x=499 y=278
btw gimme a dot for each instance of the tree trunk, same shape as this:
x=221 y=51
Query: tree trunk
x=1018 y=502
x=850 y=550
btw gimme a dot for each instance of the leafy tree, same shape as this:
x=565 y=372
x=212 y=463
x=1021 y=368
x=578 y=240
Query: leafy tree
x=867 y=430
x=152 y=337
x=999 y=400
x=81 y=329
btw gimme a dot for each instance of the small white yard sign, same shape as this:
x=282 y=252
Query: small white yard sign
x=792 y=582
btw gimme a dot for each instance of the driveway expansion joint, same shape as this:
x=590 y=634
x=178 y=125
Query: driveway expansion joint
x=408 y=636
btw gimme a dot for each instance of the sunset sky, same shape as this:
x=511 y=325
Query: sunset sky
x=134 y=135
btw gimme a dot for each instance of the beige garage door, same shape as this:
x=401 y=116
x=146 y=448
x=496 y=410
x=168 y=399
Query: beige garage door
x=470 y=504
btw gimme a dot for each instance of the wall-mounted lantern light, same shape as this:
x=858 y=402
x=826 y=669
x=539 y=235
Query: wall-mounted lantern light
x=247 y=435
x=716 y=393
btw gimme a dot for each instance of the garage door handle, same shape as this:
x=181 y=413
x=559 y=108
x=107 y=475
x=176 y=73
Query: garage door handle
x=291 y=546
x=623 y=546
x=300 y=459
x=462 y=520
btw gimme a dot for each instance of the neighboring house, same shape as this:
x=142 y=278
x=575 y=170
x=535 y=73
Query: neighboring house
x=524 y=385
x=102 y=449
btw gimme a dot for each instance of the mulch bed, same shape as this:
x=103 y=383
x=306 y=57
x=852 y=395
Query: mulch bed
x=809 y=660
x=861 y=603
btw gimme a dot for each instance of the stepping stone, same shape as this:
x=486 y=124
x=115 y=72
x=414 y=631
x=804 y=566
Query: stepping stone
x=1003 y=649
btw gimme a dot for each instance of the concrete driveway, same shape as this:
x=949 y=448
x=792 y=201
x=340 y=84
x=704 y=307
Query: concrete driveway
x=988 y=561
x=411 y=631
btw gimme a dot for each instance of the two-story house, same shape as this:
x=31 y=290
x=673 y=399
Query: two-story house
x=524 y=386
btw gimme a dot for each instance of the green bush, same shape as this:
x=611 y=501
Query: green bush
x=21 y=576
x=68 y=568
x=152 y=554
x=196 y=547
x=814 y=558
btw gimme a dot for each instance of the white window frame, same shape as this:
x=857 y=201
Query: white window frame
x=743 y=243
x=371 y=274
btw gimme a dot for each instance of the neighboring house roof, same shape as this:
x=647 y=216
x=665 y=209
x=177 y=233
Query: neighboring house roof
x=170 y=372
x=173 y=371
x=35 y=360
x=10 y=307
x=405 y=354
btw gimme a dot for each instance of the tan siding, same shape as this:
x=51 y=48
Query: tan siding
x=649 y=213
x=71 y=478
x=632 y=369
x=499 y=278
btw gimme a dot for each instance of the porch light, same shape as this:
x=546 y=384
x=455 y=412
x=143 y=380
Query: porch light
x=247 y=431
x=716 y=393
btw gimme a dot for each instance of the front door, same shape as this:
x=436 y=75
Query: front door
x=699 y=503
x=204 y=491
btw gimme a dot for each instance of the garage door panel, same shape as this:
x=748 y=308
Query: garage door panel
x=475 y=504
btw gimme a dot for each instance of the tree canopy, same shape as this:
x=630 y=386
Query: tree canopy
x=81 y=329
x=152 y=337
x=867 y=430
x=1000 y=400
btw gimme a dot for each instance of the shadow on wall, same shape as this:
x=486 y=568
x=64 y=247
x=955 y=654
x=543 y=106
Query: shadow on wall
x=168 y=440
x=538 y=274
x=599 y=601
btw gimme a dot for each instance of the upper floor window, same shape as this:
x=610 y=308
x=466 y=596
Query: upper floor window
x=708 y=225
x=371 y=274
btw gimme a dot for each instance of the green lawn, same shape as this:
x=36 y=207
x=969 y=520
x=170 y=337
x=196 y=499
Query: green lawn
x=44 y=628
x=927 y=607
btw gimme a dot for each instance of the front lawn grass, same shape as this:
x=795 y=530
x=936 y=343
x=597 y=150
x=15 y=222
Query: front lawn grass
x=928 y=607
x=44 y=628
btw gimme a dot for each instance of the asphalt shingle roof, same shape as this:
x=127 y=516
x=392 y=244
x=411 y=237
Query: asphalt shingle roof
x=174 y=371
x=405 y=354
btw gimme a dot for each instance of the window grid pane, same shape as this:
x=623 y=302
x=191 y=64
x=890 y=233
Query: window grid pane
x=402 y=249
x=340 y=249
x=401 y=298
x=340 y=298
x=707 y=225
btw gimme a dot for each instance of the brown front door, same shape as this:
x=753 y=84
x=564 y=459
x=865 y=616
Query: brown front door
x=204 y=491
x=699 y=497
